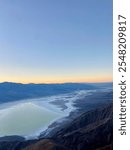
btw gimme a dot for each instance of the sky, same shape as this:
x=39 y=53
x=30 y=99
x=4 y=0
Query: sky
x=55 y=41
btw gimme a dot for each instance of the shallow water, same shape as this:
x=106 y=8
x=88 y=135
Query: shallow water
x=25 y=119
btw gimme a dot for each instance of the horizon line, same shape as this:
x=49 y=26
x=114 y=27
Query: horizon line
x=52 y=82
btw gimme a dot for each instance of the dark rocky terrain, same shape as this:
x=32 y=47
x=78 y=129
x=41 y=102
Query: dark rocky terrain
x=92 y=130
x=12 y=138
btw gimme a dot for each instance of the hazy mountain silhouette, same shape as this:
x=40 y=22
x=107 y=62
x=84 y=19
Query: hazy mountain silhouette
x=15 y=91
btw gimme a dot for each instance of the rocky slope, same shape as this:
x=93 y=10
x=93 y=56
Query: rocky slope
x=91 y=130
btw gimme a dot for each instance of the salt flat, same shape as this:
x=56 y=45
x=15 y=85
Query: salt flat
x=25 y=119
x=31 y=116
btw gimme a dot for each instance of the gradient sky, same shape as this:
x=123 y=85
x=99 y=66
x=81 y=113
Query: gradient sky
x=55 y=41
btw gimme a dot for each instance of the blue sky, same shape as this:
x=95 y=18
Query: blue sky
x=55 y=40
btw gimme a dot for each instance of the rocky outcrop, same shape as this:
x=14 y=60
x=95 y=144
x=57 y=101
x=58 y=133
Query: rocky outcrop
x=16 y=145
x=12 y=138
x=46 y=144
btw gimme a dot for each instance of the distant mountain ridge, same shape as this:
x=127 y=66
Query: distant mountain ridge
x=15 y=91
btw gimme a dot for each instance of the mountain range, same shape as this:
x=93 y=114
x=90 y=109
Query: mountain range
x=15 y=91
x=89 y=127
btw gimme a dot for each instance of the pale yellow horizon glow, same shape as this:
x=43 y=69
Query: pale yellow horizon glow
x=89 y=79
